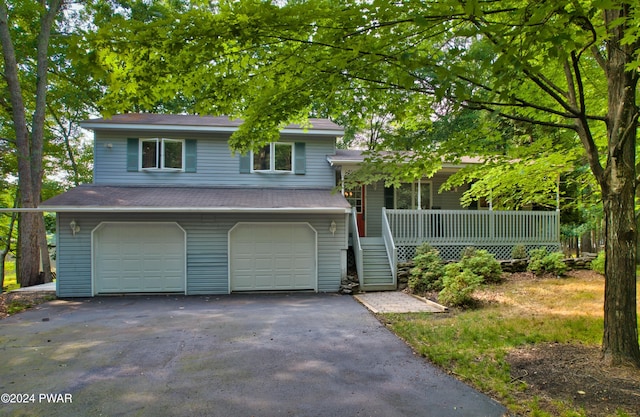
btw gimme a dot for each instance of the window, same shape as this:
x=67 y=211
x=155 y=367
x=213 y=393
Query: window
x=411 y=196
x=161 y=153
x=274 y=157
x=354 y=197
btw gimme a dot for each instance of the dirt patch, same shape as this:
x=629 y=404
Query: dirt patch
x=12 y=301
x=575 y=374
x=585 y=274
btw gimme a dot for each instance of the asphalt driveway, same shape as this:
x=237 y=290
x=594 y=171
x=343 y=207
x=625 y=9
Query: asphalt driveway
x=237 y=355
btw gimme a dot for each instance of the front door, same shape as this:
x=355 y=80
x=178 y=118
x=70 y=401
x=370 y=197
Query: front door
x=355 y=197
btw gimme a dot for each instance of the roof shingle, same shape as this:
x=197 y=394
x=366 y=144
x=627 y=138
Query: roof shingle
x=194 y=121
x=141 y=198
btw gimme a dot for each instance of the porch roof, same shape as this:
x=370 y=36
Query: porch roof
x=357 y=156
x=100 y=198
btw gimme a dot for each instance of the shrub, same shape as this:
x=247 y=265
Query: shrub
x=598 y=263
x=458 y=285
x=519 y=252
x=427 y=273
x=482 y=263
x=541 y=262
x=468 y=252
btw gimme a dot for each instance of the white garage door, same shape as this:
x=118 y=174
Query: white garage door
x=272 y=256
x=139 y=257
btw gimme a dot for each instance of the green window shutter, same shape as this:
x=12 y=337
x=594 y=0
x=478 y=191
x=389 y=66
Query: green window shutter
x=190 y=155
x=300 y=165
x=245 y=163
x=132 y=154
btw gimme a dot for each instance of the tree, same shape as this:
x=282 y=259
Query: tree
x=48 y=95
x=7 y=227
x=564 y=65
x=29 y=142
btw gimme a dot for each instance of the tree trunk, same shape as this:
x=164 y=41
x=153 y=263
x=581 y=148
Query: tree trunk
x=45 y=259
x=29 y=145
x=7 y=247
x=28 y=268
x=618 y=183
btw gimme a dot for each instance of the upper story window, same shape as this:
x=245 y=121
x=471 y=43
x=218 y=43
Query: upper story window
x=160 y=153
x=274 y=157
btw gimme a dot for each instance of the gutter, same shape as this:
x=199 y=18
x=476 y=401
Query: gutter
x=72 y=209
x=203 y=129
x=341 y=162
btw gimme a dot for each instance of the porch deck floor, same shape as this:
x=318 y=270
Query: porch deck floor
x=397 y=302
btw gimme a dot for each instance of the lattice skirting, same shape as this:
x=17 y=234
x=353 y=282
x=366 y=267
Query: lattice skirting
x=453 y=252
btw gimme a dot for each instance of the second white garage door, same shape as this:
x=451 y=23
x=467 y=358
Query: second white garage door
x=272 y=256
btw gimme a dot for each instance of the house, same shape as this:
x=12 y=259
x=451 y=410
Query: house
x=391 y=222
x=172 y=209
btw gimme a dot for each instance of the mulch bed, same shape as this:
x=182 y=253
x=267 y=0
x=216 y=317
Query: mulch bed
x=576 y=374
x=26 y=298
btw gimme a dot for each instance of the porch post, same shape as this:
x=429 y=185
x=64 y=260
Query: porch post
x=558 y=193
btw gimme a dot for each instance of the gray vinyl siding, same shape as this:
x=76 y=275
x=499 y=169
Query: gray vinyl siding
x=374 y=195
x=216 y=164
x=207 y=248
x=72 y=259
x=446 y=200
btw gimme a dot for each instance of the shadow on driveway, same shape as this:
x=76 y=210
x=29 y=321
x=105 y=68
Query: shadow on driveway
x=236 y=355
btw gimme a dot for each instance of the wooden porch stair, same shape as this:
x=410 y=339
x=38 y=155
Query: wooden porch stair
x=377 y=274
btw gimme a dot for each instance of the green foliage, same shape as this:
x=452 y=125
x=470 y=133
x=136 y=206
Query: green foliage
x=456 y=281
x=10 y=280
x=598 y=263
x=458 y=285
x=482 y=263
x=427 y=273
x=541 y=262
x=530 y=180
x=16 y=306
x=484 y=337
x=519 y=252
x=467 y=252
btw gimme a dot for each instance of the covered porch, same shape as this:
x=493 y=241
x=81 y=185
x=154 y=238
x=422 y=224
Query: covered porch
x=449 y=231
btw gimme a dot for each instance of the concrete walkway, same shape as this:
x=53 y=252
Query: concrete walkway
x=48 y=287
x=397 y=302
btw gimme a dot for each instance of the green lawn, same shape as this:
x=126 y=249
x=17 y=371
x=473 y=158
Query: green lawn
x=473 y=345
x=10 y=282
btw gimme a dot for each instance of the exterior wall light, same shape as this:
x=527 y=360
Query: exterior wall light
x=74 y=227
x=333 y=228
